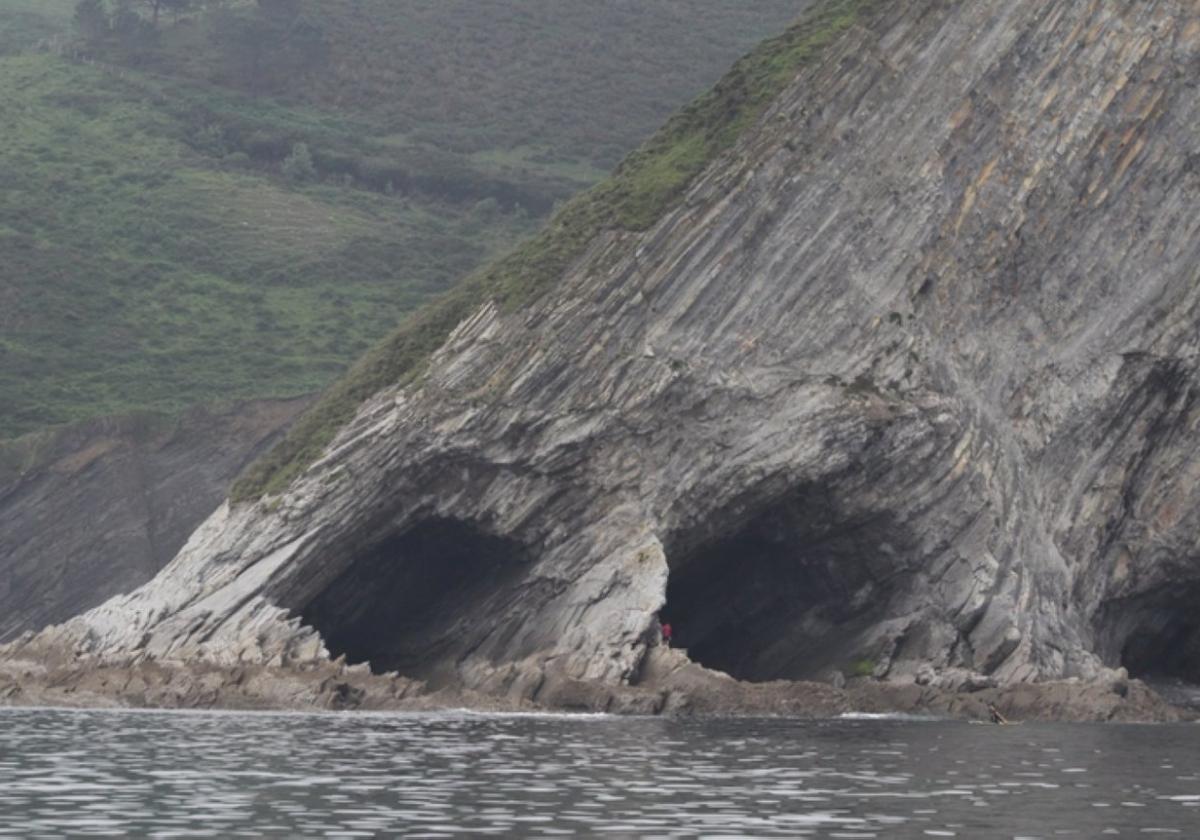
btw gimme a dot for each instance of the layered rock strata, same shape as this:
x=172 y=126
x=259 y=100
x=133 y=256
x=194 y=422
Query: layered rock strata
x=905 y=388
x=98 y=508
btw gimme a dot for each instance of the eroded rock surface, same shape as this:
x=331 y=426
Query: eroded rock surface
x=904 y=389
x=96 y=509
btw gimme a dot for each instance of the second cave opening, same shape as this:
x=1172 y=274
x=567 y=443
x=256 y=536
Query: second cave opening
x=1155 y=636
x=408 y=603
x=786 y=592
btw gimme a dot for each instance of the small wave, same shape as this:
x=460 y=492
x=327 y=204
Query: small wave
x=483 y=713
x=900 y=716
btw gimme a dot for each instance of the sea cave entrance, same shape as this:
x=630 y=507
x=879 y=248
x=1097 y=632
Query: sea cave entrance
x=1155 y=636
x=409 y=602
x=786 y=593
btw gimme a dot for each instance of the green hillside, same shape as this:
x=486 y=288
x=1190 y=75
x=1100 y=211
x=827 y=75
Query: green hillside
x=164 y=243
x=539 y=80
x=141 y=273
x=25 y=23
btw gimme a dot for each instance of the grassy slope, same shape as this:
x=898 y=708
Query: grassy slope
x=644 y=187
x=535 y=78
x=153 y=256
x=141 y=274
x=24 y=23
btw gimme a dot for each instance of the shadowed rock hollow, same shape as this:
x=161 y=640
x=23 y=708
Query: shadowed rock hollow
x=906 y=383
x=787 y=593
x=401 y=604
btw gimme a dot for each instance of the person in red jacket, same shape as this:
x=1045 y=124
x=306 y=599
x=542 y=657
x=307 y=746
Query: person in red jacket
x=666 y=634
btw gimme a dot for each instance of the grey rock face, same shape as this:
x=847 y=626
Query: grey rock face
x=103 y=505
x=905 y=388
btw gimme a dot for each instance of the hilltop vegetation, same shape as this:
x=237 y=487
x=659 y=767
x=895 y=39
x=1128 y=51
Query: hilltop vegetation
x=142 y=273
x=176 y=231
x=548 y=79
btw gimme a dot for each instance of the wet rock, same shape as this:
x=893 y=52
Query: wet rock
x=345 y=696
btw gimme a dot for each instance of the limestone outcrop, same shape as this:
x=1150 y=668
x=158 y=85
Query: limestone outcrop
x=905 y=387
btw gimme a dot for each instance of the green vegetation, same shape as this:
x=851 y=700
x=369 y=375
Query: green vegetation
x=26 y=23
x=644 y=187
x=473 y=76
x=167 y=243
x=22 y=454
x=861 y=668
x=141 y=273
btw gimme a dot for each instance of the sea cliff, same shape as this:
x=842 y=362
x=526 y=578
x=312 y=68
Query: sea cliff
x=898 y=387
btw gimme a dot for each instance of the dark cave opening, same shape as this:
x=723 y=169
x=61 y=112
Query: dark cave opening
x=786 y=593
x=1155 y=636
x=408 y=603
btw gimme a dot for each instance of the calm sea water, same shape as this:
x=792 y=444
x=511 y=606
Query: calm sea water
x=91 y=774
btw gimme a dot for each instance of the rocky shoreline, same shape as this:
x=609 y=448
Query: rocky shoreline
x=670 y=685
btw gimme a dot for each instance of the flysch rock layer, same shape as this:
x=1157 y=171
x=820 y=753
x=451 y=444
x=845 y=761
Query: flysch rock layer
x=904 y=388
x=96 y=509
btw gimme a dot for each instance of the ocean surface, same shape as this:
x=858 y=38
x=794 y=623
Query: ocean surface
x=126 y=774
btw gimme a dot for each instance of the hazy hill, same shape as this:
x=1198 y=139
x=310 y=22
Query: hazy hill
x=162 y=244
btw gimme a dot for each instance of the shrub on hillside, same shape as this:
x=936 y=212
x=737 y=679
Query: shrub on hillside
x=298 y=166
x=92 y=18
